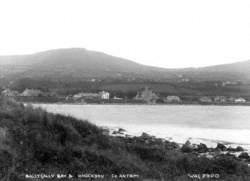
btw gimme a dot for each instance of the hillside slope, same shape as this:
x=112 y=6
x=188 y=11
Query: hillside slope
x=78 y=69
x=79 y=62
x=239 y=71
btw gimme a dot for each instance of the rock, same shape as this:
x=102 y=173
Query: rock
x=187 y=147
x=145 y=136
x=105 y=131
x=121 y=130
x=116 y=133
x=230 y=149
x=171 y=145
x=244 y=155
x=239 y=148
x=221 y=147
x=188 y=143
x=202 y=148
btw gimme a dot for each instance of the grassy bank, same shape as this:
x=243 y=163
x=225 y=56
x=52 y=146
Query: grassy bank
x=33 y=141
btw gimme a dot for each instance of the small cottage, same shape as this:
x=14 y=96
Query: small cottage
x=117 y=98
x=172 y=99
x=231 y=99
x=206 y=99
x=32 y=93
x=220 y=99
x=240 y=100
x=82 y=95
x=104 y=95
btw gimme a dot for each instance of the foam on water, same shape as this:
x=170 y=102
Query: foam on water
x=196 y=135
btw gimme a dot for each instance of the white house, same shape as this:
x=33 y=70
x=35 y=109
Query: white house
x=240 y=100
x=117 y=98
x=206 y=99
x=104 y=95
x=83 y=95
x=231 y=99
x=32 y=93
x=220 y=99
x=172 y=99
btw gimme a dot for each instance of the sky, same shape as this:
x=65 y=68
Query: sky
x=163 y=33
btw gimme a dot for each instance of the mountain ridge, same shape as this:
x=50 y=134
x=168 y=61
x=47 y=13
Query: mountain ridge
x=76 y=67
x=14 y=56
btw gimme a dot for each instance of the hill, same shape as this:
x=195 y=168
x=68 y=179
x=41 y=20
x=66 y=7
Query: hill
x=80 y=69
x=33 y=141
x=75 y=62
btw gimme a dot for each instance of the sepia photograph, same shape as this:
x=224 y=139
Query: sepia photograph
x=122 y=90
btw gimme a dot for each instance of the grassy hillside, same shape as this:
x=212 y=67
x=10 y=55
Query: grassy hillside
x=33 y=141
x=76 y=62
x=66 y=70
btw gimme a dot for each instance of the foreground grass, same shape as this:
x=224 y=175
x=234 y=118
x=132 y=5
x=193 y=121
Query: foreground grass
x=33 y=141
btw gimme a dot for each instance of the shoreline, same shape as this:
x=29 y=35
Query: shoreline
x=175 y=133
x=137 y=104
x=230 y=147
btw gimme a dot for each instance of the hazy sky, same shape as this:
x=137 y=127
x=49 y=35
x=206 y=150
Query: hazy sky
x=167 y=33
